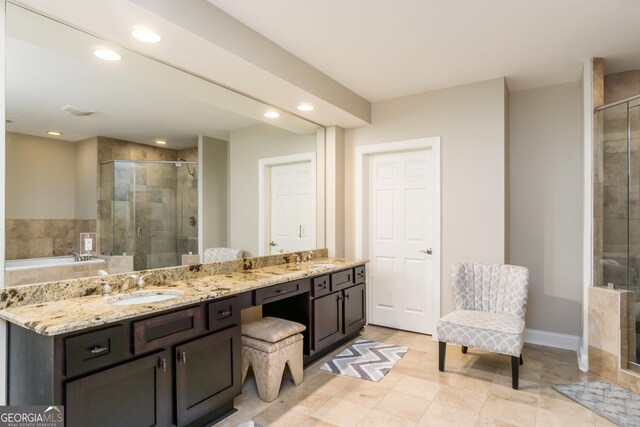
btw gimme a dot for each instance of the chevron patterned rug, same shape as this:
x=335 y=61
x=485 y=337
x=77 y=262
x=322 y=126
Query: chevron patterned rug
x=369 y=360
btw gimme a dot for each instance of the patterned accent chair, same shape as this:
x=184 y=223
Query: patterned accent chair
x=221 y=254
x=491 y=303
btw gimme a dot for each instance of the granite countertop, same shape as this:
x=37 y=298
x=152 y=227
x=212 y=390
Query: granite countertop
x=73 y=314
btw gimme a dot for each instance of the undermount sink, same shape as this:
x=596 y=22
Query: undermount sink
x=144 y=297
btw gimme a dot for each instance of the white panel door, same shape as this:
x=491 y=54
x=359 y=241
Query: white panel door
x=292 y=207
x=399 y=236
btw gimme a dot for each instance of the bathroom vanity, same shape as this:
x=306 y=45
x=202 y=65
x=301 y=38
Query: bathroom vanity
x=179 y=366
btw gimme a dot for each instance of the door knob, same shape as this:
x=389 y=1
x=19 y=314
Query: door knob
x=428 y=251
x=272 y=243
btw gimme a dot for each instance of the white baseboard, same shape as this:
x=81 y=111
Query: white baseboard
x=552 y=339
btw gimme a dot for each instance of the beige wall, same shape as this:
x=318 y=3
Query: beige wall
x=470 y=120
x=214 y=176
x=40 y=177
x=546 y=209
x=86 y=177
x=246 y=147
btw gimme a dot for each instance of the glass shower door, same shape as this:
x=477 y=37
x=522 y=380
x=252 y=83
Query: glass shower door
x=153 y=211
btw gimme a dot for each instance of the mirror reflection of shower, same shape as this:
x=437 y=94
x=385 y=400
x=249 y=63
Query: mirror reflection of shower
x=179 y=164
x=147 y=208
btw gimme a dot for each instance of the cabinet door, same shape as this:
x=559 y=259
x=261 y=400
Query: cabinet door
x=327 y=320
x=354 y=309
x=208 y=374
x=135 y=394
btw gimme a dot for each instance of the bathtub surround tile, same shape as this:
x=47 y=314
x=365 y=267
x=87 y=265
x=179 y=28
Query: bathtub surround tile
x=41 y=238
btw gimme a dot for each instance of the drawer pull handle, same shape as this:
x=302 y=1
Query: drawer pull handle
x=346 y=296
x=281 y=291
x=162 y=364
x=182 y=356
x=339 y=297
x=323 y=286
x=97 y=349
x=225 y=313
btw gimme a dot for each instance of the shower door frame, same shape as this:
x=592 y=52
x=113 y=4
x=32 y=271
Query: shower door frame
x=632 y=102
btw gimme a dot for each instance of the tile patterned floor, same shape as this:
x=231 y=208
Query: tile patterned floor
x=475 y=391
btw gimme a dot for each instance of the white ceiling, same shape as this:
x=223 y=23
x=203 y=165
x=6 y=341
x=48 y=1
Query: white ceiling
x=50 y=65
x=386 y=49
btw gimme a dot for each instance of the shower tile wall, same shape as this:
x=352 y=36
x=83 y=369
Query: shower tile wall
x=158 y=192
x=620 y=223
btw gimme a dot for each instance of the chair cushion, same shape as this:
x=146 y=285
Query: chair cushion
x=271 y=329
x=267 y=347
x=496 y=332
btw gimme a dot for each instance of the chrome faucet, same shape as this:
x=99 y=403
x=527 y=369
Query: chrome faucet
x=309 y=256
x=140 y=282
x=133 y=279
x=298 y=260
x=81 y=257
x=106 y=287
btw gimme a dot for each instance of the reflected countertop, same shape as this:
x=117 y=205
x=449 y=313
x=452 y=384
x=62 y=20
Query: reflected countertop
x=73 y=314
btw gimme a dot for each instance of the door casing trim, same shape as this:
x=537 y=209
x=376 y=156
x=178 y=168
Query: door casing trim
x=362 y=153
x=264 y=168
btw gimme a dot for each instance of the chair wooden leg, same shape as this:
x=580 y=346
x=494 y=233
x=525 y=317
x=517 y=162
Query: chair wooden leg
x=521 y=361
x=442 y=351
x=464 y=349
x=515 y=367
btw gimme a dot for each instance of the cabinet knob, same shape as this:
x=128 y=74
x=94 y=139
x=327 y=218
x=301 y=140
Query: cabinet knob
x=225 y=313
x=346 y=296
x=182 y=357
x=339 y=297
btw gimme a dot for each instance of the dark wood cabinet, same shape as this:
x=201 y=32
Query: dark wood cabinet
x=327 y=320
x=208 y=374
x=181 y=367
x=135 y=394
x=338 y=316
x=355 y=314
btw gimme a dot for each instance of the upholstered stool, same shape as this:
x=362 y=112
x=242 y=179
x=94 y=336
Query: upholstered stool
x=267 y=345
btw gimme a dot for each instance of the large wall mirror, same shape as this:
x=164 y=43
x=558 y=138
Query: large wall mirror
x=133 y=164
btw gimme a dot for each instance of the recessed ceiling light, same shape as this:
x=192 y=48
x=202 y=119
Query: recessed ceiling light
x=305 y=107
x=271 y=114
x=161 y=142
x=54 y=133
x=107 y=54
x=146 y=35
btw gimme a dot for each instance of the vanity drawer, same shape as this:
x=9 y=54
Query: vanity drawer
x=94 y=350
x=321 y=286
x=285 y=290
x=167 y=329
x=360 y=276
x=223 y=313
x=341 y=279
